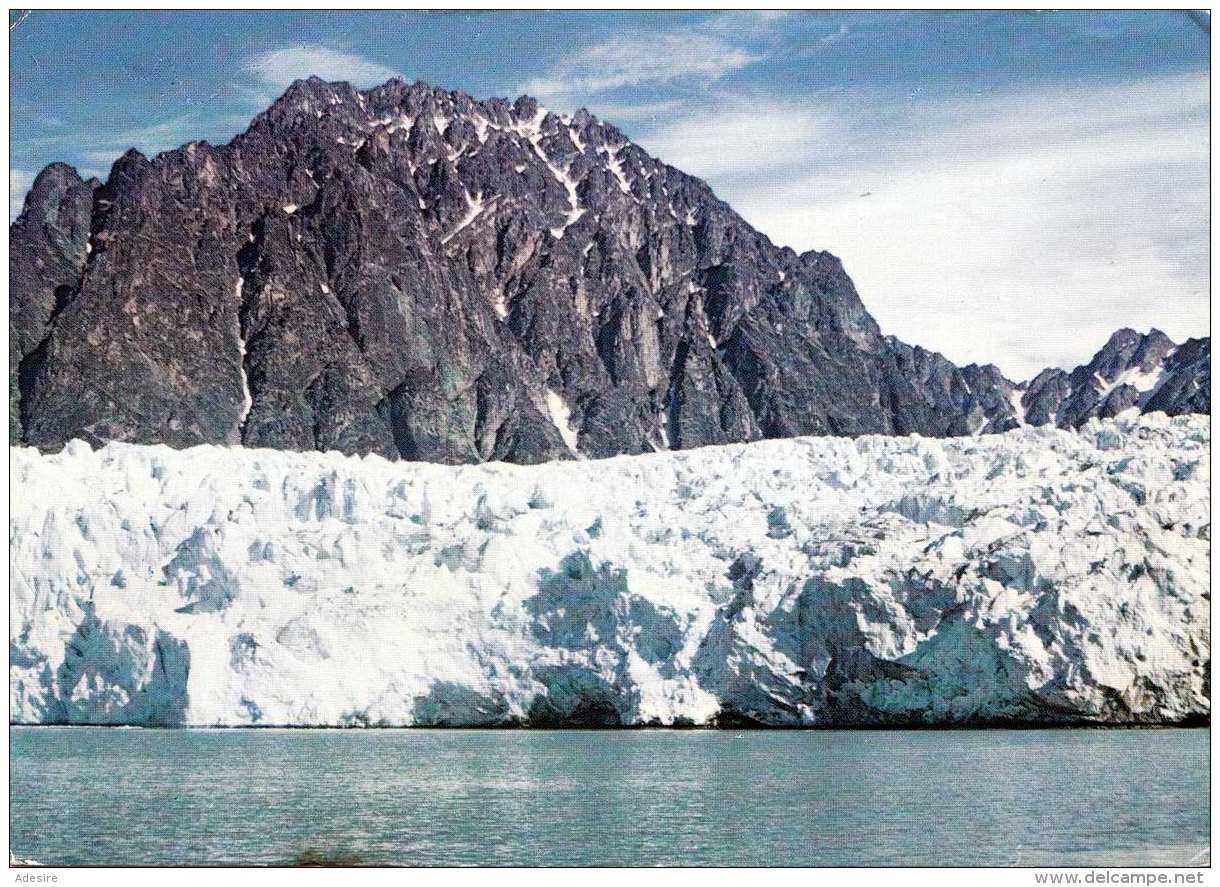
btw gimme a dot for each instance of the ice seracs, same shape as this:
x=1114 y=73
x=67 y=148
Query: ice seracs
x=1038 y=575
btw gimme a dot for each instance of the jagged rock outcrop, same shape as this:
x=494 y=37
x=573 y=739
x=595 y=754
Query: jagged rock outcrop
x=411 y=272
x=1149 y=372
x=1034 y=576
x=49 y=245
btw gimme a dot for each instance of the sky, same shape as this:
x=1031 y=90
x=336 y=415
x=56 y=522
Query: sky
x=1003 y=187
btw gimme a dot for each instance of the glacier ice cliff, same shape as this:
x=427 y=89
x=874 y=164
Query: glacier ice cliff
x=1032 y=576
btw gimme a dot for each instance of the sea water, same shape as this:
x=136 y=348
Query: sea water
x=98 y=796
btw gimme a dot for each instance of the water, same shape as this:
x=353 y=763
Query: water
x=424 y=797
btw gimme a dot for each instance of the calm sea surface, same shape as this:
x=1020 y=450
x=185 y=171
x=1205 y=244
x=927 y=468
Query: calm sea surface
x=423 y=797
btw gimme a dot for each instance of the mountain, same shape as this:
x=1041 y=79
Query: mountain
x=411 y=272
x=1034 y=576
x=1148 y=372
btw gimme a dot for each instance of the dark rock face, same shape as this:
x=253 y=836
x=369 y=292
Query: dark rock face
x=411 y=272
x=48 y=249
x=1148 y=371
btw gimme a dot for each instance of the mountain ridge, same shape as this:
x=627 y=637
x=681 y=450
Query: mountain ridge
x=414 y=272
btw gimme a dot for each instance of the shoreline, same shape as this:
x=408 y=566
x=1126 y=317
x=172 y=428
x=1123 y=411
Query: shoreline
x=1188 y=724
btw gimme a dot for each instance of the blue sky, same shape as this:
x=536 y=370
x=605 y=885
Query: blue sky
x=1003 y=187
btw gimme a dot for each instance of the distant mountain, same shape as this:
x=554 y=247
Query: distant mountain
x=1149 y=372
x=412 y=272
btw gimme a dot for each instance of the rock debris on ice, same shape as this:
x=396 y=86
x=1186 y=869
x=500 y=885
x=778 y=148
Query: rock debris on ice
x=1038 y=575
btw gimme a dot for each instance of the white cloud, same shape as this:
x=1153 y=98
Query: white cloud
x=624 y=112
x=658 y=67
x=834 y=36
x=636 y=58
x=279 y=67
x=740 y=137
x=96 y=150
x=749 y=23
x=19 y=182
x=1019 y=230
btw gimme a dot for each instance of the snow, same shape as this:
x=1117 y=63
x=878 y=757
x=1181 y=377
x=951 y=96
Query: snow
x=565 y=178
x=561 y=417
x=663 y=430
x=1037 y=574
x=531 y=131
x=1146 y=382
x=481 y=125
x=474 y=207
x=393 y=124
x=290 y=208
x=574 y=134
x=247 y=398
x=616 y=167
x=1018 y=405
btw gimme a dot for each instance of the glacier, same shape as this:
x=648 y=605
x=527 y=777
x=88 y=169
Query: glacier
x=1035 y=576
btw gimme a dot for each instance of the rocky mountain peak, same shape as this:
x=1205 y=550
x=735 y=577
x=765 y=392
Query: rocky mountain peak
x=1127 y=346
x=418 y=273
x=1131 y=370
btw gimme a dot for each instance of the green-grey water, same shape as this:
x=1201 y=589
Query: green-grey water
x=648 y=797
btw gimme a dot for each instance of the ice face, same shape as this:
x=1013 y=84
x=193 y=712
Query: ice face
x=1038 y=575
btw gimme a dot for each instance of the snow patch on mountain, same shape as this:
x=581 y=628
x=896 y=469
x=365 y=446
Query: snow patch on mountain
x=561 y=418
x=1016 y=400
x=474 y=207
x=247 y=398
x=616 y=166
x=1037 y=575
